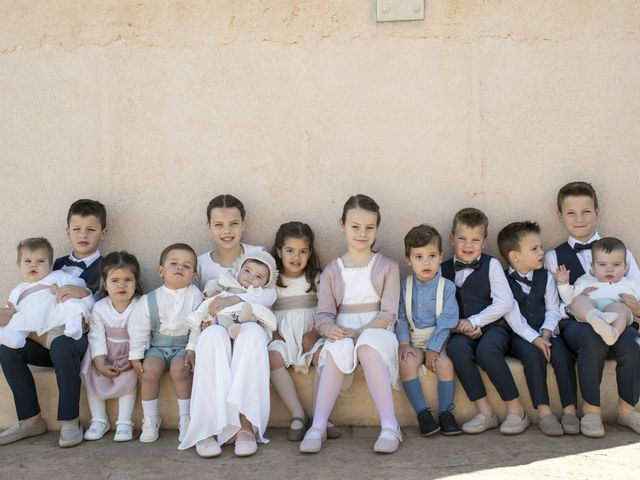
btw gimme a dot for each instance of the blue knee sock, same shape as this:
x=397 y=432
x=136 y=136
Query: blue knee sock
x=413 y=389
x=446 y=394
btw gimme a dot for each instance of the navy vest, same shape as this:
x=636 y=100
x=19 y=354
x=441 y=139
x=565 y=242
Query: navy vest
x=532 y=306
x=569 y=258
x=91 y=275
x=475 y=293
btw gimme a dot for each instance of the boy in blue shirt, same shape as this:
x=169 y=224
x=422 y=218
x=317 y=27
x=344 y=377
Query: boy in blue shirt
x=482 y=336
x=427 y=313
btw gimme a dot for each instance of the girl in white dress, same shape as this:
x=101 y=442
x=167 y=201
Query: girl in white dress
x=230 y=396
x=357 y=309
x=296 y=341
x=106 y=370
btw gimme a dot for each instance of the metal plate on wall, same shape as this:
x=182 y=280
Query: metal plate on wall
x=398 y=10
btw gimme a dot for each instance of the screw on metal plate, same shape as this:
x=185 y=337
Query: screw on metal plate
x=399 y=10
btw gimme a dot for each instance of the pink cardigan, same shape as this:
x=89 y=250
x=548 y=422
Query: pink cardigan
x=385 y=277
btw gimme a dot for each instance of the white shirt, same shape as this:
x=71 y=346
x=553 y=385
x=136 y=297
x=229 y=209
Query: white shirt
x=210 y=270
x=173 y=308
x=57 y=277
x=552 y=315
x=603 y=289
x=500 y=294
x=104 y=315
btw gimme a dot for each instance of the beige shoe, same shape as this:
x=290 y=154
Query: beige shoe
x=246 y=313
x=70 y=435
x=549 y=425
x=514 y=425
x=632 y=421
x=313 y=444
x=388 y=443
x=480 y=423
x=19 y=431
x=234 y=330
x=591 y=425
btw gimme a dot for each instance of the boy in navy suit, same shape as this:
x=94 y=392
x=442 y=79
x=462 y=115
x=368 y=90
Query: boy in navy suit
x=482 y=337
x=578 y=211
x=86 y=228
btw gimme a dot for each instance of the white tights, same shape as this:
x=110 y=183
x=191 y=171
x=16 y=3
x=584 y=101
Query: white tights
x=98 y=407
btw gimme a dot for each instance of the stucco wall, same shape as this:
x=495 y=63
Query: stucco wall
x=154 y=107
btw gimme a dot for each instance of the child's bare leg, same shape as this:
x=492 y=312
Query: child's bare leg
x=484 y=407
x=444 y=367
x=581 y=306
x=153 y=369
x=182 y=378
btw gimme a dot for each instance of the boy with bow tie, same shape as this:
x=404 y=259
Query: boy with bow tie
x=482 y=337
x=578 y=211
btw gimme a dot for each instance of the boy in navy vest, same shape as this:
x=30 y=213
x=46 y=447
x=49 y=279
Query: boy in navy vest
x=482 y=337
x=578 y=211
x=536 y=294
x=86 y=227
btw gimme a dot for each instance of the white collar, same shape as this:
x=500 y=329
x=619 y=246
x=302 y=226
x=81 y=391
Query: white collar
x=87 y=260
x=572 y=241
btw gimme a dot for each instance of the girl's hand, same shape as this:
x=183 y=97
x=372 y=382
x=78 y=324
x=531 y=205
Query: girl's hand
x=333 y=332
x=190 y=360
x=405 y=351
x=309 y=339
x=6 y=313
x=137 y=366
x=562 y=275
x=351 y=333
x=125 y=367
x=221 y=303
x=107 y=370
x=430 y=360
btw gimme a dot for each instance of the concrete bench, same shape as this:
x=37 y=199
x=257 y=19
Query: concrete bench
x=355 y=408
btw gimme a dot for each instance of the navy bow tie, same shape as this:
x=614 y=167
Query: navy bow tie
x=519 y=278
x=578 y=247
x=72 y=263
x=458 y=265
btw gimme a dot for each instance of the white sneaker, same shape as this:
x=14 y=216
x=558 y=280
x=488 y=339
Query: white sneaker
x=96 y=430
x=183 y=426
x=150 y=429
x=124 y=432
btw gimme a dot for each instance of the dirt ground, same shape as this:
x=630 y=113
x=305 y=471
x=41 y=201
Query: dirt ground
x=490 y=455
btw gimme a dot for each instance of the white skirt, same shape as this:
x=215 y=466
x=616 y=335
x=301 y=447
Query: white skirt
x=292 y=327
x=345 y=353
x=228 y=383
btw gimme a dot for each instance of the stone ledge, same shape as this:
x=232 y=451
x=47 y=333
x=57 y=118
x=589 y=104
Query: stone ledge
x=355 y=408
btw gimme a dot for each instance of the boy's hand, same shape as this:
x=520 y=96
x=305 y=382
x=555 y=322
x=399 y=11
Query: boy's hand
x=190 y=360
x=137 y=366
x=309 y=339
x=546 y=334
x=630 y=301
x=464 y=326
x=475 y=333
x=405 y=351
x=6 y=314
x=544 y=346
x=430 y=360
x=53 y=288
x=71 y=291
x=221 y=303
x=562 y=275
x=108 y=371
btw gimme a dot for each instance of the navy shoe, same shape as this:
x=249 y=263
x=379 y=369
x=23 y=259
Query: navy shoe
x=427 y=424
x=448 y=424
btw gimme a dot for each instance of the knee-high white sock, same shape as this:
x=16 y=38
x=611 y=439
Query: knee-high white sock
x=184 y=404
x=13 y=339
x=328 y=390
x=126 y=404
x=283 y=383
x=379 y=384
x=98 y=408
x=150 y=408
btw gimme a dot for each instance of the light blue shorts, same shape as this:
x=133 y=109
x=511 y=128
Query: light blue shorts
x=166 y=353
x=603 y=303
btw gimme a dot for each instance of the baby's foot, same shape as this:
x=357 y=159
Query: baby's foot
x=609 y=317
x=11 y=338
x=246 y=313
x=73 y=328
x=234 y=330
x=608 y=333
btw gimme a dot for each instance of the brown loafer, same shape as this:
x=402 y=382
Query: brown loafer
x=297 y=434
x=19 y=431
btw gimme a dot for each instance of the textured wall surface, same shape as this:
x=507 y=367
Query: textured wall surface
x=154 y=107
